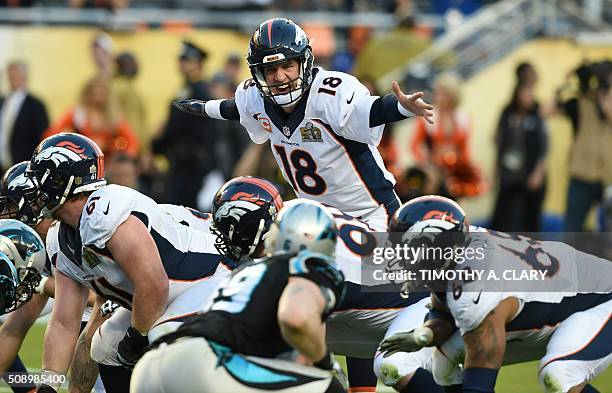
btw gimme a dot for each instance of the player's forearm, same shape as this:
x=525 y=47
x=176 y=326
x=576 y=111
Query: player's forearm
x=10 y=347
x=308 y=339
x=485 y=346
x=60 y=341
x=387 y=109
x=216 y=109
x=148 y=304
x=83 y=370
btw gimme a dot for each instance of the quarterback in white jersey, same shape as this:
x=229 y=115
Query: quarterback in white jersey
x=533 y=295
x=323 y=126
x=124 y=247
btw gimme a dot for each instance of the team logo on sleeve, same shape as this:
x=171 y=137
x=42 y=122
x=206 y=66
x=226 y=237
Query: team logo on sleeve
x=310 y=133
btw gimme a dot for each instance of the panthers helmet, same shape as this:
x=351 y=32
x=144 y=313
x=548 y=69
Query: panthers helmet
x=303 y=225
x=26 y=250
x=243 y=210
x=64 y=165
x=274 y=42
x=18 y=195
x=430 y=221
x=8 y=285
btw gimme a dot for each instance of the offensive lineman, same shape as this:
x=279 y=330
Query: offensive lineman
x=568 y=312
x=124 y=247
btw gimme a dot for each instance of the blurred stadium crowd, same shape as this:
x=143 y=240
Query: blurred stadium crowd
x=186 y=159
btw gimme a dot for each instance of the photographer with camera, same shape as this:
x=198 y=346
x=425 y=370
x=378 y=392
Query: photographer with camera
x=590 y=111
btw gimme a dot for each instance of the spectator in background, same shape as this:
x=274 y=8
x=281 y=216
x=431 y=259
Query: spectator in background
x=445 y=144
x=590 y=111
x=187 y=141
x=102 y=54
x=97 y=117
x=231 y=70
x=233 y=141
x=23 y=118
x=526 y=75
x=521 y=153
x=129 y=99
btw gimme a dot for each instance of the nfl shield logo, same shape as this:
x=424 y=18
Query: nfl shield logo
x=286 y=131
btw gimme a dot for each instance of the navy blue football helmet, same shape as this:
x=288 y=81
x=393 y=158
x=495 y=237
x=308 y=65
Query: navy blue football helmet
x=243 y=210
x=428 y=221
x=64 y=165
x=274 y=42
x=18 y=196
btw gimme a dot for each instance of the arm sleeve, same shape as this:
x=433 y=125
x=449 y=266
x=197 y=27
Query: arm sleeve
x=385 y=110
x=229 y=110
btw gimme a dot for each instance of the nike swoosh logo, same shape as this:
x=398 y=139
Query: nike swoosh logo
x=351 y=100
x=477 y=298
x=106 y=211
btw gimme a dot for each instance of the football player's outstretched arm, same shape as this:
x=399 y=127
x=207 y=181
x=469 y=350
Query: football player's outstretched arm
x=65 y=323
x=485 y=347
x=134 y=249
x=217 y=109
x=15 y=328
x=299 y=317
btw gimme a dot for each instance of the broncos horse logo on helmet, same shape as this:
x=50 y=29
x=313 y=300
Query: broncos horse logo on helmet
x=64 y=165
x=274 y=42
x=26 y=250
x=18 y=195
x=243 y=210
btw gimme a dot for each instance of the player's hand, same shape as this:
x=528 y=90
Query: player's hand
x=131 y=348
x=399 y=342
x=195 y=107
x=414 y=103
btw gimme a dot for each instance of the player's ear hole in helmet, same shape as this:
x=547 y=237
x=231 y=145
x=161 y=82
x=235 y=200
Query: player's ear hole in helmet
x=434 y=224
x=243 y=210
x=275 y=42
x=26 y=251
x=65 y=165
x=303 y=225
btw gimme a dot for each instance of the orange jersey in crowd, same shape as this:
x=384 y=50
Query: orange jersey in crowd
x=121 y=139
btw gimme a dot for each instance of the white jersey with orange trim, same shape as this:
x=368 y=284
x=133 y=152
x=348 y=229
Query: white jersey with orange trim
x=551 y=280
x=187 y=254
x=325 y=147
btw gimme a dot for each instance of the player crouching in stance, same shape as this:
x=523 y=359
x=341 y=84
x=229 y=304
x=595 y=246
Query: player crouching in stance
x=123 y=246
x=265 y=318
x=565 y=316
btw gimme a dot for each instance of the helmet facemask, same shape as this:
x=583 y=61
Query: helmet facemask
x=298 y=86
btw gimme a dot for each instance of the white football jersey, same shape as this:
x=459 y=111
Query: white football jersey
x=325 y=148
x=573 y=281
x=191 y=217
x=187 y=254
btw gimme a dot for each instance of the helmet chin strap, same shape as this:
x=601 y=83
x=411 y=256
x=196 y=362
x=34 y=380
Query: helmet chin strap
x=262 y=223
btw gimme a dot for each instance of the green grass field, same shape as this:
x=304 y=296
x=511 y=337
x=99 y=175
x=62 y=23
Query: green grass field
x=513 y=379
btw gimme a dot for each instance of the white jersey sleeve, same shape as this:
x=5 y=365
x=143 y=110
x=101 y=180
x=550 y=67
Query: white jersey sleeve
x=345 y=103
x=469 y=309
x=104 y=211
x=190 y=217
x=52 y=246
x=252 y=113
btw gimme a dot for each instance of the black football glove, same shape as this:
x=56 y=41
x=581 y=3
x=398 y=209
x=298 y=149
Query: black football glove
x=132 y=347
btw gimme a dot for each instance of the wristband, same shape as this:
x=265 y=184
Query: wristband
x=479 y=380
x=326 y=362
x=40 y=288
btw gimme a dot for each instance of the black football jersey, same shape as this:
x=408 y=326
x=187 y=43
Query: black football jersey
x=243 y=314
